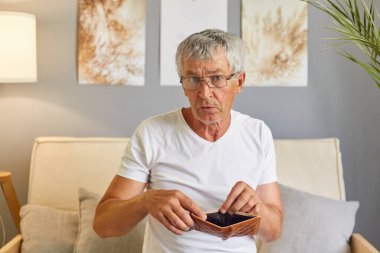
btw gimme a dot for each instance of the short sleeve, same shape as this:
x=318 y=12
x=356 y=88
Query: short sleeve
x=137 y=156
x=269 y=173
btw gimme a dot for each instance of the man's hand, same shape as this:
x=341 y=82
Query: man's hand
x=171 y=208
x=264 y=201
x=242 y=198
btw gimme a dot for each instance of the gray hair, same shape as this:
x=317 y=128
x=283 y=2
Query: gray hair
x=202 y=45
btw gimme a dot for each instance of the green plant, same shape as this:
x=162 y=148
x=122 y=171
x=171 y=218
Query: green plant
x=356 y=22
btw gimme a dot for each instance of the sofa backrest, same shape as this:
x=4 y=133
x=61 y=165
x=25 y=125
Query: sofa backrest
x=60 y=165
x=311 y=165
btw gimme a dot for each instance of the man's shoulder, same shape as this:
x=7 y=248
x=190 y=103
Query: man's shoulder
x=161 y=122
x=245 y=119
x=160 y=127
x=251 y=128
x=163 y=118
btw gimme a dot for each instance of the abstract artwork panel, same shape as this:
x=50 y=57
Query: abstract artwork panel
x=179 y=19
x=111 y=42
x=275 y=34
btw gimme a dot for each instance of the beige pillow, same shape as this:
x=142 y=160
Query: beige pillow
x=89 y=242
x=313 y=224
x=47 y=230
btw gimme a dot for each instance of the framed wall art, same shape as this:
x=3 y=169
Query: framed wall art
x=179 y=19
x=111 y=42
x=275 y=34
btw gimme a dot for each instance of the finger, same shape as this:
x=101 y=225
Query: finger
x=241 y=201
x=256 y=209
x=181 y=218
x=165 y=221
x=247 y=208
x=192 y=207
x=174 y=210
x=232 y=196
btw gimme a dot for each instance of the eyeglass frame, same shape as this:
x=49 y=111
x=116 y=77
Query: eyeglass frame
x=208 y=80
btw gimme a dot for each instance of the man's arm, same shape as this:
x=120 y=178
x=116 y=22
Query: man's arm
x=265 y=201
x=121 y=208
x=271 y=211
x=125 y=204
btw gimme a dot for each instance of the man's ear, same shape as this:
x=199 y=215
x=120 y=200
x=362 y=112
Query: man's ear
x=241 y=81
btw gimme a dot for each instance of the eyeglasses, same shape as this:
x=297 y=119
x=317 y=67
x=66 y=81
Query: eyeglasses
x=215 y=81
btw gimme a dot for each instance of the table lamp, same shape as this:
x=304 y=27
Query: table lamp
x=18 y=57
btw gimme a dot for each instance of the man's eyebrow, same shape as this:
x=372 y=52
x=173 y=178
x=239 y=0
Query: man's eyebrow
x=190 y=73
x=213 y=72
x=217 y=72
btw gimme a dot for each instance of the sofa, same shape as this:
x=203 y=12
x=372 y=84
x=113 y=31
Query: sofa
x=68 y=175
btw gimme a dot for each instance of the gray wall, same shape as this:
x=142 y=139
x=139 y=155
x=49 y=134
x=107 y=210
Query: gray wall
x=340 y=101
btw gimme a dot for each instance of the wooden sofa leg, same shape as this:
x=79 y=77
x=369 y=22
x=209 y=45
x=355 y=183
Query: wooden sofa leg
x=360 y=245
x=11 y=197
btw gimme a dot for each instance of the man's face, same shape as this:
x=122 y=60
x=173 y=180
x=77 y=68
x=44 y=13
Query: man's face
x=212 y=105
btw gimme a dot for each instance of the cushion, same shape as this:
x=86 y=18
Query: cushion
x=47 y=230
x=89 y=242
x=313 y=224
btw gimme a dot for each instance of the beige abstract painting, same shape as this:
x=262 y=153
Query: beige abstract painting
x=111 y=42
x=275 y=35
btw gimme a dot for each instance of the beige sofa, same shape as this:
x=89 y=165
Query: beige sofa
x=61 y=165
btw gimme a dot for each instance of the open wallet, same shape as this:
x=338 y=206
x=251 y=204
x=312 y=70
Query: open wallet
x=227 y=225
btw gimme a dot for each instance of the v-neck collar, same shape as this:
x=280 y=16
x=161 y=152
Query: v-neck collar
x=203 y=140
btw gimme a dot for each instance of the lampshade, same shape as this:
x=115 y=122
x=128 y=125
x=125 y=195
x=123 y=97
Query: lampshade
x=18 y=57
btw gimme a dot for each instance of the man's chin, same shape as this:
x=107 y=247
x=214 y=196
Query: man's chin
x=210 y=118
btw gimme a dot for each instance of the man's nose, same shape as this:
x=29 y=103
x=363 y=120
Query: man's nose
x=204 y=89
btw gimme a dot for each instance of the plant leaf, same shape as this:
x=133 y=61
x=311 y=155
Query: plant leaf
x=356 y=23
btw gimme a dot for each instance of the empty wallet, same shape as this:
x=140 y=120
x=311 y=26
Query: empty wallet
x=227 y=225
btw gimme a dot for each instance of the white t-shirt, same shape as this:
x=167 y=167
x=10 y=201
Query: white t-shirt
x=167 y=154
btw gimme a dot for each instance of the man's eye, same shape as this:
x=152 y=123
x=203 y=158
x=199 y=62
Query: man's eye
x=194 y=80
x=216 y=78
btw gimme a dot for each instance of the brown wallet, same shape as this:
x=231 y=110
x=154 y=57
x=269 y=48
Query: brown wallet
x=227 y=225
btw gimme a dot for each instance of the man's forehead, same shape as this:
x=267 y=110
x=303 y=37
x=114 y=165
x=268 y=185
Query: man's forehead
x=217 y=62
x=196 y=66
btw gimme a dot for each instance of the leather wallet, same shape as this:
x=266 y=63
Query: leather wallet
x=227 y=225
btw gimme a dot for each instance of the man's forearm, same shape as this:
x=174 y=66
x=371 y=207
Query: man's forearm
x=115 y=217
x=271 y=223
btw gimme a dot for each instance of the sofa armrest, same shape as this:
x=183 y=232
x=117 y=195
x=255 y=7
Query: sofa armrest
x=360 y=245
x=13 y=246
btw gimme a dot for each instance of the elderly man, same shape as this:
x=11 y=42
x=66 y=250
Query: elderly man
x=196 y=159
